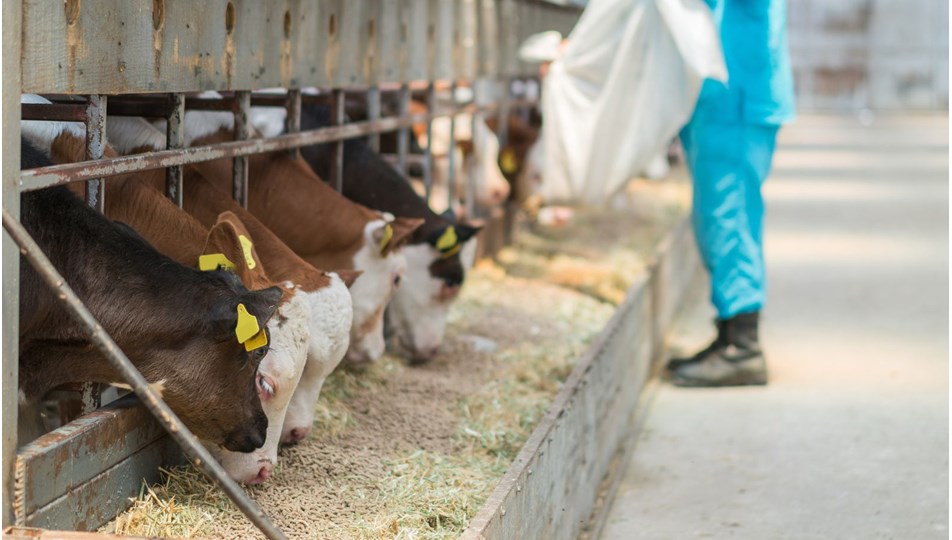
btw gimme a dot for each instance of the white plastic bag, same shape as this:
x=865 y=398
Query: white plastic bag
x=628 y=80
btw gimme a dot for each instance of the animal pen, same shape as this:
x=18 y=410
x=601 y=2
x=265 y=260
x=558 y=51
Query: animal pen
x=99 y=58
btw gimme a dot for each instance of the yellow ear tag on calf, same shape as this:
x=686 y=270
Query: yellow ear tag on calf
x=387 y=235
x=259 y=340
x=247 y=326
x=246 y=246
x=448 y=243
x=508 y=161
x=212 y=261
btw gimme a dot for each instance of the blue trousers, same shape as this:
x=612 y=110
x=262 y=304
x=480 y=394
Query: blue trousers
x=729 y=159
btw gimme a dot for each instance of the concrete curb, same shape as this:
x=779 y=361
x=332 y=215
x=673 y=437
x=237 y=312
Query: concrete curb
x=560 y=484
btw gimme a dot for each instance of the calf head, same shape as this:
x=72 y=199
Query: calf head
x=229 y=244
x=216 y=391
x=435 y=271
x=383 y=264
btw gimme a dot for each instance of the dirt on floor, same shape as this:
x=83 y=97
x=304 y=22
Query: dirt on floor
x=412 y=452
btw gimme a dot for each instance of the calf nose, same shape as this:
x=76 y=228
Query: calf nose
x=422 y=356
x=298 y=434
x=263 y=474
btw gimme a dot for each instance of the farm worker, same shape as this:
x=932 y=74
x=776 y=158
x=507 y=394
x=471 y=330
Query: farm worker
x=729 y=144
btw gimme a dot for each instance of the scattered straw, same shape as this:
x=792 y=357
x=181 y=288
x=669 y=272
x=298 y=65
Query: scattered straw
x=413 y=452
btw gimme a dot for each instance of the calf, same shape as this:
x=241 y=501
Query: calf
x=319 y=224
x=133 y=200
x=522 y=138
x=176 y=324
x=438 y=253
x=329 y=308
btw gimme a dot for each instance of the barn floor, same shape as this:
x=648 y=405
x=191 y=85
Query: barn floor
x=412 y=452
x=851 y=438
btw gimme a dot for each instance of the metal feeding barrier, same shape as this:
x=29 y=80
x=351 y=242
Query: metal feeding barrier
x=99 y=58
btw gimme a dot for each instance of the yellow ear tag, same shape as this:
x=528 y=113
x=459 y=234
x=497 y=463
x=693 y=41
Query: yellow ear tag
x=246 y=246
x=212 y=261
x=259 y=340
x=508 y=161
x=247 y=325
x=448 y=243
x=387 y=235
x=447 y=240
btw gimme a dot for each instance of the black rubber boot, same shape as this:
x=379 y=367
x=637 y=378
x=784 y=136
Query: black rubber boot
x=733 y=359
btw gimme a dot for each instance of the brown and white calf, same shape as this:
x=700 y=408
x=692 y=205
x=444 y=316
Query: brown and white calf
x=176 y=324
x=329 y=305
x=476 y=159
x=134 y=200
x=438 y=254
x=319 y=224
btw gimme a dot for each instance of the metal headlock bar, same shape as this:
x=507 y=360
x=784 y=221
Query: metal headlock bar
x=152 y=49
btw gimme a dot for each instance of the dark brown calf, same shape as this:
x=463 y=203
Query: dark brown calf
x=176 y=324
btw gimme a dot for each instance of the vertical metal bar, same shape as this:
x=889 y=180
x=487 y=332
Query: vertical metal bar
x=428 y=151
x=239 y=190
x=197 y=454
x=292 y=123
x=451 y=175
x=174 y=138
x=12 y=16
x=337 y=162
x=373 y=113
x=95 y=146
x=502 y=118
x=470 y=203
x=95 y=197
x=403 y=135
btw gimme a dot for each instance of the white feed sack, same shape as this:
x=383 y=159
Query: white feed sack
x=626 y=83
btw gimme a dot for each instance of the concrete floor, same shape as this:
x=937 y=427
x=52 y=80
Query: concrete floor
x=851 y=438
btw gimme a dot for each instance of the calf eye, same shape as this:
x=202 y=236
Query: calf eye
x=265 y=386
x=396 y=281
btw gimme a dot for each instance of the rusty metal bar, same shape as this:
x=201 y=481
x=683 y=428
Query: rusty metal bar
x=43 y=177
x=95 y=113
x=292 y=122
x=373 y=113
x=242 y=132
x=403 y=135
x=10 y=96
x=502 y=117
x=197 y=454
x=469 y=202
x=56 y=112
x=337 y=157
x=95 y=146
x=451 y=175
x=428 y=151
x=174 y=139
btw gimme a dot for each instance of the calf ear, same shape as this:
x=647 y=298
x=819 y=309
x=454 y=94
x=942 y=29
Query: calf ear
x=263 y=303
x=348 y=276
x=401 y=229
x=465 y=231
x=230 y=238
x=226 y=311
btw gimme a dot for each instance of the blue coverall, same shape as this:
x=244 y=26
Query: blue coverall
x=729 y=144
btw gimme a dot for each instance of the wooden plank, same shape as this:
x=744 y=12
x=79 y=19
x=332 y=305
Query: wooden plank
x=60 y=461
x=91 y=504
x=576 y=452
x=108 y=47
x=29 y=533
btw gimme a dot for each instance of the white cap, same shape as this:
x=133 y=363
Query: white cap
x=541 y=47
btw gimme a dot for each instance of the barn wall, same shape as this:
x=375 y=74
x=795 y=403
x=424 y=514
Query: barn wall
x=878 y=54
